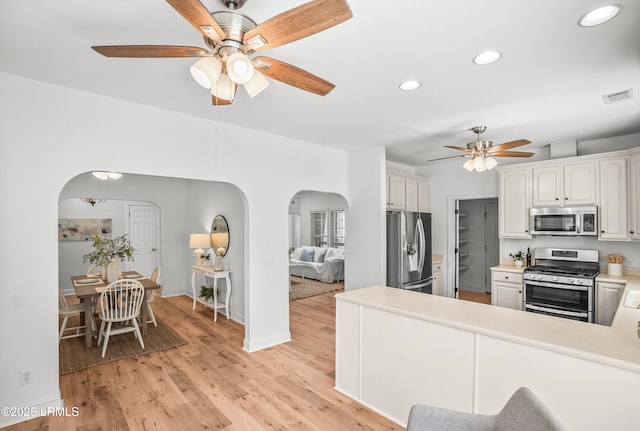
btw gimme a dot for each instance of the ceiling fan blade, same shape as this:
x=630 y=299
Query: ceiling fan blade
x=511 y=144
x=450 y=157
x=297 y=23
x=150 y=51
x=292 y=75
x=510 y=154
x=216 y=101
x=199 y=17
x=458 y=148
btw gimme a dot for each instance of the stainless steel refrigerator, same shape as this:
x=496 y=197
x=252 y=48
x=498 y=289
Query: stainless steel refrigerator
x=409 y=251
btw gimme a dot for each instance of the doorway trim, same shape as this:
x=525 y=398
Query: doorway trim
x=449 y=289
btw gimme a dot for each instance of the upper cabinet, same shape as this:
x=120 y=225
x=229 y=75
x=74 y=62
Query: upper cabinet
x=610 y=181
x=613 y=199
x=407 y=192
x=634 y=176
x=564 y=184
x=514 y=201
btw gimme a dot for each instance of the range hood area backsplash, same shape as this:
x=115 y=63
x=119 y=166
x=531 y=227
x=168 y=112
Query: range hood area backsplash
x=629 y=249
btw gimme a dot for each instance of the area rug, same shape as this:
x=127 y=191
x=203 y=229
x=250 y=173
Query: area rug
x=74 y=356
x=306 y=288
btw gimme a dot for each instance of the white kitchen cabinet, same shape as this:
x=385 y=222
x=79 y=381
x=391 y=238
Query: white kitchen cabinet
x=423 y=196
x=411 y=194
x=407 y=192
x=514 y=201
x=608 y=295
x=395 y=192
x=438 y=278
x=506 y=289
x=634 y=213
x=613 y=199
x=565 y=184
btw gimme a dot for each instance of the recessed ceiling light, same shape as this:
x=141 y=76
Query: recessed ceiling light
x=487 y=57
x=600 y=15
x=410 y=85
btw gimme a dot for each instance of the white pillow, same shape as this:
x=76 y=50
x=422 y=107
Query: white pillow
x=338 y=254
x=296 y=253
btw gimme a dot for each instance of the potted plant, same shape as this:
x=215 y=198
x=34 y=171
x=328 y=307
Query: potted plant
x=518 y=258
x=108 y=252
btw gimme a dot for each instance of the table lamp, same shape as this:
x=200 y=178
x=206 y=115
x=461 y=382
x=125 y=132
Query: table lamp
x=220 y=243
x=199 y=241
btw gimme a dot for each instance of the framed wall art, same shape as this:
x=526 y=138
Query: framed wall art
x=83 y=229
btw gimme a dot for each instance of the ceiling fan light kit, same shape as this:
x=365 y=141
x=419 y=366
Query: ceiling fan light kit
x=233 y=38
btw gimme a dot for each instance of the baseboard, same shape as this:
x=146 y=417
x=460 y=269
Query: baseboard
x=26 y=412
x=255 y=345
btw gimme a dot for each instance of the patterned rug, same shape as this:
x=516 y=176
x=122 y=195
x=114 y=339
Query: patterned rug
x=74 y=356
x=305 y=288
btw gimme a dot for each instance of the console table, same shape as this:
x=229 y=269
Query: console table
x=208 y=272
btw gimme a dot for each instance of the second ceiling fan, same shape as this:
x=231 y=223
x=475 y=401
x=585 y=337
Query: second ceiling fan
x=233 y=38
x=481 y=152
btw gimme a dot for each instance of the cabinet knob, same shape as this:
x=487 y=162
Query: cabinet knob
x=557 y=199
x=566 y=199
x=632 y=232
x=506 y=277
x=601 y=231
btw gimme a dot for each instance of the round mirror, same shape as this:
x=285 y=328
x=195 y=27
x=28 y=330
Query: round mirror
x=220 y=235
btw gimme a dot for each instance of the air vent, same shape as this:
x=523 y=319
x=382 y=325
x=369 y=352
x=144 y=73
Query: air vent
x=618 y=96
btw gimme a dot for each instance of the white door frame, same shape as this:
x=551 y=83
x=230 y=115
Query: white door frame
x=449 y=289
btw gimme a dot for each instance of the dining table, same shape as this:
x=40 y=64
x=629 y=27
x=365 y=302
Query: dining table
x=89 y=288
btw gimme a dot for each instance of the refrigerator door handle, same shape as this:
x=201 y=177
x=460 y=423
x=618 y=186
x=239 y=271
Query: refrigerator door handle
x=421 y=244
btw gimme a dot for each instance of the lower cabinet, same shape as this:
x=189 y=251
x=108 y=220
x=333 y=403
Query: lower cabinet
x=438 y=278
x=506 y=289
x=608 y=296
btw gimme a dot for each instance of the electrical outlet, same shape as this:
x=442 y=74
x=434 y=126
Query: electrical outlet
x=25 y=377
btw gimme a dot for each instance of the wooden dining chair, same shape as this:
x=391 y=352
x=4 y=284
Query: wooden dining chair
x=120 y=302
x=66 y=310
x=150 y=295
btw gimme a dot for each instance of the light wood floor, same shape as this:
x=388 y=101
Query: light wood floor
x=484 y=298
x=211 y=383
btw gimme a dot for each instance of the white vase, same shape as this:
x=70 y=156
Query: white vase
x=113 y=271
x=518 y=263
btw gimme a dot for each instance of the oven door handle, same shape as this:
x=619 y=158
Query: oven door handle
x=555 y=311
x=556 y=285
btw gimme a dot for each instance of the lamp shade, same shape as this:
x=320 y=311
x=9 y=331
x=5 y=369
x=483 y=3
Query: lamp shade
x=239 y=68
x=490 y=163
x=224 y=88
x=206 y=71
x=199 y=240
x=220 y=240
x=256 y=84
x=478 y=164
x=468 y=165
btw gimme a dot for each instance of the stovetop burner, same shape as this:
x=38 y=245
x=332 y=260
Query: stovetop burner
x=563 y=270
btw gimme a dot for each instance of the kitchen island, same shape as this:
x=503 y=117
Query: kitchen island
x=396 y=348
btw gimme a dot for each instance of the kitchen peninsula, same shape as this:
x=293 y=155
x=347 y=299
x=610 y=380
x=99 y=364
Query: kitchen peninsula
x=396 y=348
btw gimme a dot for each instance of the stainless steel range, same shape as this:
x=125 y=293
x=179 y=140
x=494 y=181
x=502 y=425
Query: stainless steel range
x=562 y=283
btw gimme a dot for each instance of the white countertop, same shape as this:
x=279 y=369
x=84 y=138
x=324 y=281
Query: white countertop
x=618 y=345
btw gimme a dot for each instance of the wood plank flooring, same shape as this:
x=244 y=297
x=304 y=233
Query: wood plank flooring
x=465 y=295
x=211 y=383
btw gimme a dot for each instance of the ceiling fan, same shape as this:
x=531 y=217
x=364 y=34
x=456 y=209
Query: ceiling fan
x=232 y=40
x=481 y=152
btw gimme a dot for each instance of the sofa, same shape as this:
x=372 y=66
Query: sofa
x=325 y=264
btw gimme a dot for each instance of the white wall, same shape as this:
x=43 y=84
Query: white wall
x=50 y=134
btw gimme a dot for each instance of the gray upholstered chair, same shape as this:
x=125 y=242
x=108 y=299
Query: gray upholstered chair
x=523 y=412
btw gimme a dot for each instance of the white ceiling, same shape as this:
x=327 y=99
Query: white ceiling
x=547 y=87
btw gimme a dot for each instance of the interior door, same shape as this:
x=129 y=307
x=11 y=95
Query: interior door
x=142 y=234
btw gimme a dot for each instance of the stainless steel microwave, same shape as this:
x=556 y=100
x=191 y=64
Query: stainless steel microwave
x=565 y=221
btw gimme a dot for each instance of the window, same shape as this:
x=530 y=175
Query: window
x=328 y=228
x=319 y=228
x=337 y=228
